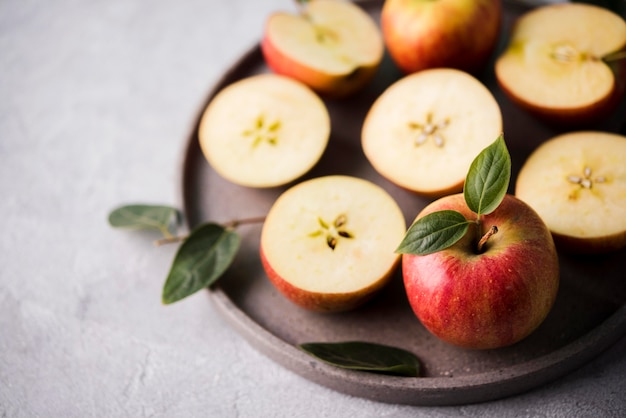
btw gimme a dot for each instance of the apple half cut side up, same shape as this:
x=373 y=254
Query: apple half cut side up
x=328 y=244
x=334 y=47
x=577 y=183
x=554 y=67
x=490 y=299
x=424 y=130
x=264 y=131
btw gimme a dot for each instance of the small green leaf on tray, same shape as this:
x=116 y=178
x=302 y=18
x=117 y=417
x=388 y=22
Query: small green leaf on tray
x=488 y=178
x=145 y=217
x=434 y=232
x=200 y=261
x=364 y=356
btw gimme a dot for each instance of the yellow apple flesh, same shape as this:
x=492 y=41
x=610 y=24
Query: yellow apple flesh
x=334 y=47
x=424 y=131
x=577 y=183
x=553 y=64
x=264 y=131
x=328 y=244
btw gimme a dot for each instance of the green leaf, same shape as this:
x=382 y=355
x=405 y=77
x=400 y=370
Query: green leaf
x=488 y=178
x=145 y=217
x=434 y=232
x=370 y=357
x=200 y=261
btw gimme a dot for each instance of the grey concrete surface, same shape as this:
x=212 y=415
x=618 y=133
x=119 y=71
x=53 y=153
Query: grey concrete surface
x=97 y=100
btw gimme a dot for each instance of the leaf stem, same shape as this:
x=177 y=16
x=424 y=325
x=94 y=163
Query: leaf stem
x=229 y=225
x=492 y=231
x=170 y=240
x=166 y=233
x=237 y=222
x=616 y=56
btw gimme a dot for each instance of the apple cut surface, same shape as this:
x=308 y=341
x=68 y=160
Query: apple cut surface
x=334 y=47
x=577 y=183
x=328 y=244
x=425 y=130
x=264 y=131
x=553 y=63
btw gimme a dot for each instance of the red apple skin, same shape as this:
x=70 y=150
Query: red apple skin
x=421 y=34
x=488 y=300
x=327 y=85
x=324 y=302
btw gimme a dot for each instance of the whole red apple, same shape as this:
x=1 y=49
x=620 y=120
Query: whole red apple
x=422 y=34
x=490 y=298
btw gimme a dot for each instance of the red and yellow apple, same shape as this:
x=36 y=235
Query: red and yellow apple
x=490 y=298
x=421 y=34
x=333 y=46
x=264 y=131
x=328 y=244
x=554 y=65
x=423 y=131
x=577 y=183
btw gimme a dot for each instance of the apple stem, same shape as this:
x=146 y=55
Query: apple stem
x=228 y=225
x=492 y=231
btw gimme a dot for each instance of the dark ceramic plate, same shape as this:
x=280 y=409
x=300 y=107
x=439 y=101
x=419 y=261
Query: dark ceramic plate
x=589 y=314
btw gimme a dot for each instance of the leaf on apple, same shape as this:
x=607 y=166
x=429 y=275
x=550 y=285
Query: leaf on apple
x=364 y=356
x=200 y=261
x=486 y=185
x=434 y=232
x=488 y=178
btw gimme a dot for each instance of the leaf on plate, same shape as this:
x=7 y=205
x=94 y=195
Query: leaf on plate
x=145 y=217
x=488 y=178
x=434 y=232
x=364 y=356
x=200 y=261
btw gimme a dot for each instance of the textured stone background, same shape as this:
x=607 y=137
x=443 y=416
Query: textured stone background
x=97 y=99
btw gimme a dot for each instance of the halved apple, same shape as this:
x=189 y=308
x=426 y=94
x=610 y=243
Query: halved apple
x=264 y=131
x=328 y=244
x=577 y=184
x=425 y=130
x=333 y=46
x=553 y=66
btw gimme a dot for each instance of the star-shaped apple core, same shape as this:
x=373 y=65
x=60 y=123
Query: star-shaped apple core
x=263 y=131
x=586 y=181
x=332 y=232
x=429 y=129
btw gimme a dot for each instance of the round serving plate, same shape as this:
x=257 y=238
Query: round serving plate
x=589 y=314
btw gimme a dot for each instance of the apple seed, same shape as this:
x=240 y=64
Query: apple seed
x=567 y=53
x=429 y=130
x=332 y=231
x=263 y=132
x=586 y=181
